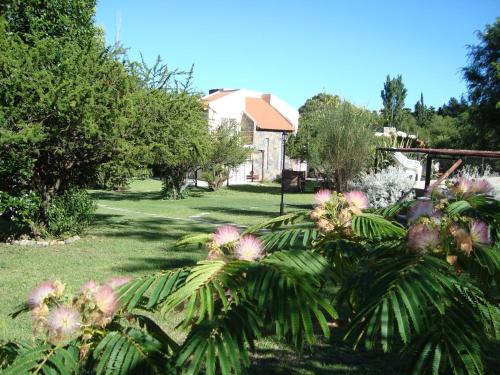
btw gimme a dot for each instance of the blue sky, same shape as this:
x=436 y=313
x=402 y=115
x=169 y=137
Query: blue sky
x=296 y=49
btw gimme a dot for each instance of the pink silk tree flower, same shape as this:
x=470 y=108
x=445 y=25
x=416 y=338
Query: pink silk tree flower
x=106 y=300
x=90 y=286
x=479 y=232
x=421 y=208
x=249 y=248
x=463 y=240
x=357 y=199
x=422 y=237
x=481 y=186
x=117 y=282
x=225 y=234
x=39 y=294
x=63 y=322
x=462 y=186
x=322 y=196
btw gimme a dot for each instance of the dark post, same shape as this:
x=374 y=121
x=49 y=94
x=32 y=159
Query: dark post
x=376 y=160
x=428 y=172
x=282 y=204
x=262 y=167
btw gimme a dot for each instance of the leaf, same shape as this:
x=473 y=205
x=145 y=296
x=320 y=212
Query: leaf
x=372 y=226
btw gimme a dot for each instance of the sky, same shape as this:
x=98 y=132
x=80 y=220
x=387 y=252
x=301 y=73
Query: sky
x=296 y=49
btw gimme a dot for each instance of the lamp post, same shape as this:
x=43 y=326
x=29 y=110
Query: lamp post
x=282 y=204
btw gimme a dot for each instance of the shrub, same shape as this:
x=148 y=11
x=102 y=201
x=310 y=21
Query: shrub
x=21 y=210
x=70 y=213
x=385 y=187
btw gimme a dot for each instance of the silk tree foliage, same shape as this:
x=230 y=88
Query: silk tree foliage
x=427 y=288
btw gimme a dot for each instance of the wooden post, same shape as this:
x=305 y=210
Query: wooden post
x=428 y=172
x=445 y=174
x=376 y=160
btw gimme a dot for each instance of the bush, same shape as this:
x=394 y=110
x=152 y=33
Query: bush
x=21 y=210
x=385 y=187
x=70 y=213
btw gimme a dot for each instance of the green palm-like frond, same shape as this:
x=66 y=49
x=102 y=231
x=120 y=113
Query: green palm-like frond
x=45 y=359
x=397 y=296
x=208 y=281
x=297 y=235
x=130 y=351
x=193 y=239
x=373 y=226
x=481 y=206
x=222 y=342
x=452 y=341
x=285 y=289
x=391 y=211
x=279 y=221
x=151 y=290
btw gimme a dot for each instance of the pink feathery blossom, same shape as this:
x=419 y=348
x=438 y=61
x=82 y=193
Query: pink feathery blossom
x=422 y=237
x=249 y=248
x=463 y=240
x=357 y=199
x=479 y=232
x=225 y=234
x=462 y=186
x=39 y=294
x=63 y=321
x=106 y=300
x=322 y=196
x=117 y=282
x=481 y=186
x=422 y=208
x=90 y=286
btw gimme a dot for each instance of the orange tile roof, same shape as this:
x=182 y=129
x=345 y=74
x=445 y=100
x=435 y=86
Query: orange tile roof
x=217 y=95
x=265 y=116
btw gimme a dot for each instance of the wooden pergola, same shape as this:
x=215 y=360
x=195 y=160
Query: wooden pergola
x=441 y=153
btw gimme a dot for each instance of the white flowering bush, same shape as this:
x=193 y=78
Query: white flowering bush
x=385 y=187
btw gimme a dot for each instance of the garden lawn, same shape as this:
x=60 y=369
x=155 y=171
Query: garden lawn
x=133 y=235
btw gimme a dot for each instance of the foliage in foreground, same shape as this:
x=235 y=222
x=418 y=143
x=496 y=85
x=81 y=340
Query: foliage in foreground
x=426 y=287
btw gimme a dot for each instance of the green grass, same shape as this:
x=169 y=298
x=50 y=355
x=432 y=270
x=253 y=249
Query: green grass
x=133 y=234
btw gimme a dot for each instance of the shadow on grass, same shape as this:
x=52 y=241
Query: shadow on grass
x=256 y=189
x=125 y=195
x=300 y=206
x=336 y=358
x=159 y=263
x=149 y=229
x=238 y=211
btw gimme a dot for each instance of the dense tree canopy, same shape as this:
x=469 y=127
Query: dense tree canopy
x=483 y=81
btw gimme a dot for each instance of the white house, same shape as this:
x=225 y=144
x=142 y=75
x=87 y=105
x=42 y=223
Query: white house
x=263 y=118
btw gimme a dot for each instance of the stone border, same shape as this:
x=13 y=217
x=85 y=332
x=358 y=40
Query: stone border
x=44 y=243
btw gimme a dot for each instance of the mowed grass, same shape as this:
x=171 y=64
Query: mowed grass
x=133 y=235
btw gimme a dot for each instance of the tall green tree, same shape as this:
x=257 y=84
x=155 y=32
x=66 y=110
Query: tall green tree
x=64 y=97
x=298 y=145
x=483 y=82
x=422 y=113
x=170 y=125
x=393 y=98
x=342 y=143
